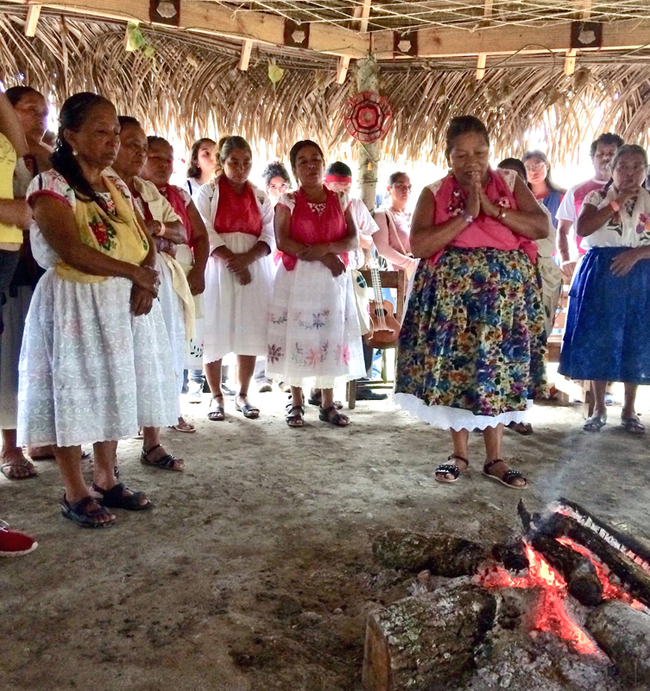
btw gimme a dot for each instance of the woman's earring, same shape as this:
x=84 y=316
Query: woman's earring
x=74 y=152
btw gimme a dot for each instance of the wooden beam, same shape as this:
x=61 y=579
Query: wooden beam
x=342 y=69
x=214 y=19
x=482 y=57
x=570 y=62
x=33 y=14
x=365 y=15
x=502 y=40
x=245 y=57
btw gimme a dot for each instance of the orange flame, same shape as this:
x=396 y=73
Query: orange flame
x=550 y=613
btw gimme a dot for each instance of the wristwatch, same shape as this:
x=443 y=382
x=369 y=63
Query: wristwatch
x=467 y=216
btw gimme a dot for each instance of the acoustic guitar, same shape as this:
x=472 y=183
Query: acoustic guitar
x=384 y=326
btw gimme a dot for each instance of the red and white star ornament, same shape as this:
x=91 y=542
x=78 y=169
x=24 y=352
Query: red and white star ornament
x=368 y=117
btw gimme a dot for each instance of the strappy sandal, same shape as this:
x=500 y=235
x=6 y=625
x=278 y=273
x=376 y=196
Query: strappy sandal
x=120 y=497
x=216 y=413
x=9 y=470
x=332 y=416
x=632 y=425
x=86 y=513
x=167 y=462
x=317 y=399
x=184 y=426
x=445 y=469
x=523 y=428
x=595 y=423
x=295 y=416
x=247 y=410
x=507 y=478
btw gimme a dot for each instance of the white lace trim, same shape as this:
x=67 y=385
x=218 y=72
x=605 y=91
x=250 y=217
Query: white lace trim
x=445 y=417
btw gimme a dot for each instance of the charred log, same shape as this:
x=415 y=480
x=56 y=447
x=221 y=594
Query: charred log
x=420 y=642
x=633 y=577
x=578 y=572
x=443 y=555
x=512 y=554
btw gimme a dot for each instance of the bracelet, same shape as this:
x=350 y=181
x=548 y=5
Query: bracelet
x=616 y=206
x=467 y=216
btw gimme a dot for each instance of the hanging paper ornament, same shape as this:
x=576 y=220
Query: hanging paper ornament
x=368 y=117
x=275 y=73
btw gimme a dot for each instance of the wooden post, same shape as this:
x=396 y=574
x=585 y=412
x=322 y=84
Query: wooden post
x=369 y=154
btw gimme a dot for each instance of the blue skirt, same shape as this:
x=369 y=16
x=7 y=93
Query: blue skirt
x=607 y=335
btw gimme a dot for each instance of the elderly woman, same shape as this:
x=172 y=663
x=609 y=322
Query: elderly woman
x=239 y=275
x=31 y=109
x=165 y=226
x=95 y=360
x=192 y=256
x=201 y=166
x=606 y=335
x=471 y=350
x=314 y=333
x=392 y=239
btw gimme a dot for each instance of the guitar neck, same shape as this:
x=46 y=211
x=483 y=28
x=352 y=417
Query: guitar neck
x=379 y=298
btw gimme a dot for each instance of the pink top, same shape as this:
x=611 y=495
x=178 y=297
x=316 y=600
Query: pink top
x=315 y=224
x=484 y=231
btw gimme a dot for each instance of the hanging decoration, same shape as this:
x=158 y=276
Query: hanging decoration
x=275 y=73
x=368 y=117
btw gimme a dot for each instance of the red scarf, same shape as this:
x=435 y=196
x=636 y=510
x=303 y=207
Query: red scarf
x=484 y=231
x=308 y=228
x=237 y=213
x=176 y=200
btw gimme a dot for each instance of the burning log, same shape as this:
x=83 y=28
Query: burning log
x=624 y=634
x=422 y=641
x=630 y=572
x=578 y=572
x=512 y=554
x=443 y=555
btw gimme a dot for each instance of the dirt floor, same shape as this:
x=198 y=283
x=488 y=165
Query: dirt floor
x=254 y=572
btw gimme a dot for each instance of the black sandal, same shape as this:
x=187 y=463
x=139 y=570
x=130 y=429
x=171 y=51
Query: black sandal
x=216 y=412
x=507 y=477
x=86 y=513
x=167 y=462
x=333 y=417
x=317 y=398
x=295 y=416
x=120 y=497
x=445 y=469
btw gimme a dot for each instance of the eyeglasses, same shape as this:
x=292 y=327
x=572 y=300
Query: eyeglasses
x=534 y=167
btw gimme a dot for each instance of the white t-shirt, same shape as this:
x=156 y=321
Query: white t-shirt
x=366 y=226
x=628 y=228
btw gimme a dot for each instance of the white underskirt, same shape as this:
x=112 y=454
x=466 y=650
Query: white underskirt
x=446 y=417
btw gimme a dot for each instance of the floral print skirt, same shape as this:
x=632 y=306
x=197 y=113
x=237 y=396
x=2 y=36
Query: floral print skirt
x=314 y=332
x=472 y=345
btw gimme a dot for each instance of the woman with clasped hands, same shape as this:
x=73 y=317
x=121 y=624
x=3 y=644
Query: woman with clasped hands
x=606 y=335
x=471 y=350
x=92 y=369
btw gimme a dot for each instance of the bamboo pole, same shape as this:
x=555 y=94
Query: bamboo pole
x=369 y=154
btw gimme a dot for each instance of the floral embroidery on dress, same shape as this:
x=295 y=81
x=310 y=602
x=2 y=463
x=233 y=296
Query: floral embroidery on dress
x=317 y=320
x=274 y=353
x=282 y=319
x=104 y=233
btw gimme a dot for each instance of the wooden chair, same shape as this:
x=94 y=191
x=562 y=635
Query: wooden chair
x=389 y=279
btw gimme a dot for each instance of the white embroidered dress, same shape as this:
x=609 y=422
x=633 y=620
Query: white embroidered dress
x=89 y=370
x=314 y=331
x=236 y=316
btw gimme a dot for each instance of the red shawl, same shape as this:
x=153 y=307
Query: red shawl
x=484 y=231
x=237 y=213
x=309 y=228
x=176 y=200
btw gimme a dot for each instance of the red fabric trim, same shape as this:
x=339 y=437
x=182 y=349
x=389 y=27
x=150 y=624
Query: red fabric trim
x=337 y=178
x=48 y=193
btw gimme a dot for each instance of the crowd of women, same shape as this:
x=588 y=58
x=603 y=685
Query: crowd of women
x=119 y=286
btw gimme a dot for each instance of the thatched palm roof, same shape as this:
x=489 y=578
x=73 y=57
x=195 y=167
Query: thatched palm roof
x=191 y=84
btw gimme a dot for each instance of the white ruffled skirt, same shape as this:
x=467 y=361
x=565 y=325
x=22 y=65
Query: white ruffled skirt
x=314 y=331
x=90 y=371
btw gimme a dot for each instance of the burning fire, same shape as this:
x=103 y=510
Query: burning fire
x=550 y=613
x=610 y=591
